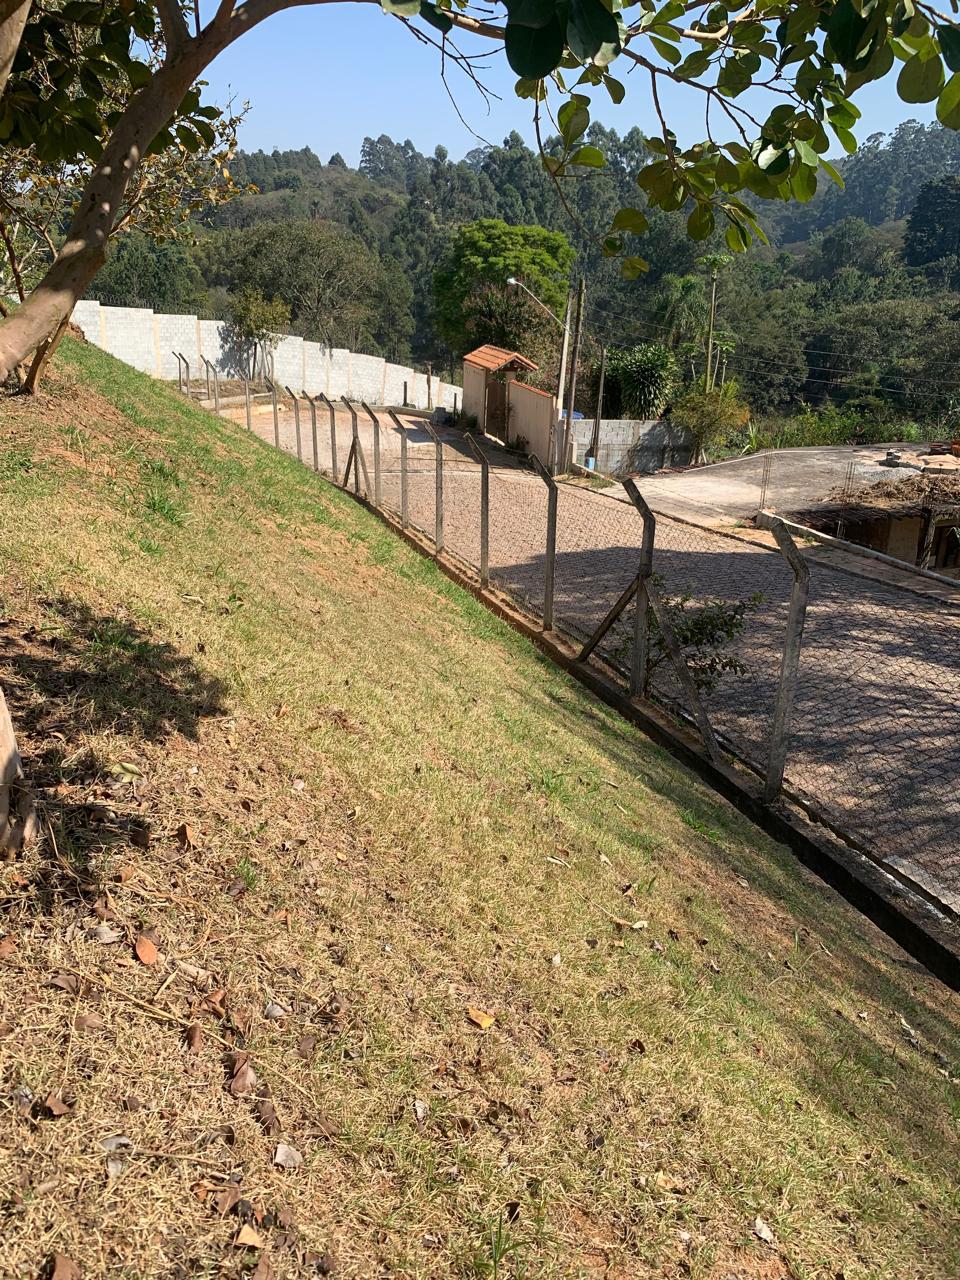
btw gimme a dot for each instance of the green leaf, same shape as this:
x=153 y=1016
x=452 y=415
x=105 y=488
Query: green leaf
x=846 y=140
x=807 y=153
x=949 y=38
x=948 y=106
x=533 y=52
x=844 y=114
x=633 y=267
x=405 y=8
x=668 y=52
x=593 y=33
x=631 y=220
x=921 y=79
x=531 y=89
x=846 y=29
x=701 y=222
x=531 y=13
x=615 y=89
x=573 y=119
x=828 y=169
x=737 y=237
x=590 y=156
x=438 y=18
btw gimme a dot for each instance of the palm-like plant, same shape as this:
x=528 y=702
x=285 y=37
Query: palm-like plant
x=682 y=309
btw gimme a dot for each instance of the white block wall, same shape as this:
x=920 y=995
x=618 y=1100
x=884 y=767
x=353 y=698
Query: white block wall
x=148 y=339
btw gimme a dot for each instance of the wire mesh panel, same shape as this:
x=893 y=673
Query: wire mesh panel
x=727 y=599
x=598 y=547
x=518 y=533
x=461 y=500
x=876 y=734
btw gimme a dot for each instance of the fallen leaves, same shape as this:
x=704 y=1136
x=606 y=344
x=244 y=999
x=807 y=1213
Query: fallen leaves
x=185 y=836
x=88 y=1022
x=146 y=949
x=481 y=1019
x=287 y=1157
x=55 y=1106
x=194 y=1038
x=64 y=1268
x=8 y=946
x=267 y=1114
x=763 y=1231
x=247 y=1238
x=241 y=1077
x=306 y=1047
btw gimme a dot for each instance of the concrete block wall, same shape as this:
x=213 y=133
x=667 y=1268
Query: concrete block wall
x=633 y=446
x=147 y=340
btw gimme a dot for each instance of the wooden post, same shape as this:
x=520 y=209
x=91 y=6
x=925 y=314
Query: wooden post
x=595 y=437
x=377 y=488
x=404 y=494
x=296 y=423
x=550 y=555
x=567 y=434
x=484 y=508
x=790 y=664
x=641 y=637
x=765 y=480
x=438 y=506
x=313 y=429
x=929 y=535
x=333 y=436
x=276 y=411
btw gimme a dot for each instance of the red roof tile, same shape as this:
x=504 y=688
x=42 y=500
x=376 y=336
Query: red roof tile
x=496 y=358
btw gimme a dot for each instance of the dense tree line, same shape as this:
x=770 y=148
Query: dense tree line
x=853 y=304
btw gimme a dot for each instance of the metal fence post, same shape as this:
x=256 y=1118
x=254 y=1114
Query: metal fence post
x=206 y=363
x=179 y=359
x=377 y=489
x=765 y=480
x=247 y=403
x=641 y=629
x=216 y=389
x=404 y=493
x=358 y=456
x=296 y=423
x=550 y=565
x=790 y=665
x=313 y=428
x=438 y=507
x=484 y=508
x=334 y=469
x=276 y=411
x=186 y=365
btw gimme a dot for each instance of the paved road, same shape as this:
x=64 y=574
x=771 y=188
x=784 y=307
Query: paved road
x=876 y=735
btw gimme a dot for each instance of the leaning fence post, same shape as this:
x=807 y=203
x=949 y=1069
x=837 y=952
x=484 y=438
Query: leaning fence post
x=313 y=428
x=216 y=389
x=484 y=508
x=186 y=365
x=207 y=366
x=358 y=455
x=334 y=470
x=404 y=494
x=551 y=549
x=377 y=490
x=276 y=411
x=790 y=665
x=247 y=403
x=641 y=636
x=438 y=507
x=296 y=423
x=179 y=359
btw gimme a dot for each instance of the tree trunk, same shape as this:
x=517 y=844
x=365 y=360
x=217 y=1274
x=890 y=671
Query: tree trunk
x=13 y=18
x=84 y=249
x=18 y=815
x=43 y=354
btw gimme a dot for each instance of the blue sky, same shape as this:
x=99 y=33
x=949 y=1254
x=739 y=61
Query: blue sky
x=325 y=77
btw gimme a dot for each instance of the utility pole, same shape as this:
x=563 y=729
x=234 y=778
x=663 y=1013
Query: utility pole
x=708 y=372
x=564 y=348
x=595 y=438
x=567 y=434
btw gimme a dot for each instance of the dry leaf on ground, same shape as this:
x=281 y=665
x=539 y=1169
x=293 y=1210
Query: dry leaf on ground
x=8 y=946
x=64 y=1268
x=763 y=1232
x=481 y=1019
x=241 y=1077
x=87 y=1022
x=146 y=950
x=55 y=1106
x=247 y=1238
x=287 y=1157
x=194 y=1038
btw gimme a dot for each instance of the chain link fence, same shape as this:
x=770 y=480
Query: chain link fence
x=841 y=688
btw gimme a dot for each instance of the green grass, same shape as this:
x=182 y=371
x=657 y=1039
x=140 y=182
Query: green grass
x=399 y=810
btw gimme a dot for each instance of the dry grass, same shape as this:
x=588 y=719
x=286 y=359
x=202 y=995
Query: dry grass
x=398 y=811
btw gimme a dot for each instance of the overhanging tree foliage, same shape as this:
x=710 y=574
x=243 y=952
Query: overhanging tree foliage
x=813 y=55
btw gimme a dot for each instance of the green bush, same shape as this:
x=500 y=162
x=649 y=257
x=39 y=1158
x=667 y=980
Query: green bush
x=827 y=425
x=712 y=417
x=640 y=381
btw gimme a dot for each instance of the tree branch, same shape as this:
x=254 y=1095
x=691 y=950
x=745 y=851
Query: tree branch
x=175 y=31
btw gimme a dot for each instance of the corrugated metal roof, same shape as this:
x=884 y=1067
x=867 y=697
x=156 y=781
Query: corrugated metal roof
x=496 y=358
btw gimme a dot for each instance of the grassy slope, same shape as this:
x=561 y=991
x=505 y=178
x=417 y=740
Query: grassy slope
x=399 y=810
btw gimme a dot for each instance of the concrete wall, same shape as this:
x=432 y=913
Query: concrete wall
x=531 y=417
x=474 y=394
x=633 y=446
x=147 y=340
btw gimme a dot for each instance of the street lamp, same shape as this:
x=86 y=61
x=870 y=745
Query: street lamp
x=564 y=325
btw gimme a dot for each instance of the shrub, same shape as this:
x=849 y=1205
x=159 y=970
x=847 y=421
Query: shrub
x=641 y=380
x=712 y=417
